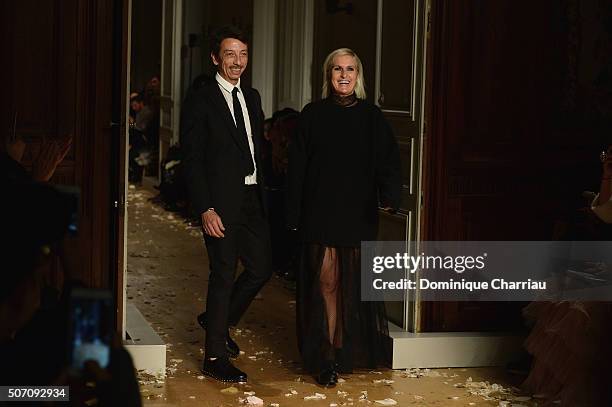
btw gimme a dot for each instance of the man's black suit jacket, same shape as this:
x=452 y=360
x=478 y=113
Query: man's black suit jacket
x=215 y=156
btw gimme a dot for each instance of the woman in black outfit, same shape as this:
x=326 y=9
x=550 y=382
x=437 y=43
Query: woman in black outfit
x=343 y=164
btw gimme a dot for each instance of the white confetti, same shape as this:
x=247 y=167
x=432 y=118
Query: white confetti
x=384 y=381
x=316 y=396
x=386 y=402
x=254 y=401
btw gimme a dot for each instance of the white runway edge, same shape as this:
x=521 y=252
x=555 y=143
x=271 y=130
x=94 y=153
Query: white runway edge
x=147 y=349
x=452 y=349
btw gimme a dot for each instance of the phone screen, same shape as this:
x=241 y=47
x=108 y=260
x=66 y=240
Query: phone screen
x=90 y=327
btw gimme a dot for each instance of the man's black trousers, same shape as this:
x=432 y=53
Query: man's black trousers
x=227 y=300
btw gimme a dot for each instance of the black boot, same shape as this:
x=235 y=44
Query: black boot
x=328 y=376
x=230 y=346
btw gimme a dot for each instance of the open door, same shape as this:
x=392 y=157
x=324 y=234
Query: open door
x=400 y=97
x=119 y=137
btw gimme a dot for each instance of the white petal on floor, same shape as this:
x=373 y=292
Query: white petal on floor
x=254 y=401
x=384 y=381
x=316 y=396
x=386 y=402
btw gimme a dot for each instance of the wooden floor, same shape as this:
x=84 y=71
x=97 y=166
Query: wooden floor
x=167 y=278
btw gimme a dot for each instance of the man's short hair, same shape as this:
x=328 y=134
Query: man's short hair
x=137 y=98
x=224 y=32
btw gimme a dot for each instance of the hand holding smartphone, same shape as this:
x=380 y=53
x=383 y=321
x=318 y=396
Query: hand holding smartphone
x=90 y=329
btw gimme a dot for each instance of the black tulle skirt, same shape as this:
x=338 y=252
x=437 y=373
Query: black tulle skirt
x=360 y=338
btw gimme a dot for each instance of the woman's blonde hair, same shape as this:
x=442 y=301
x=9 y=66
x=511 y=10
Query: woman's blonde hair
x=329 y=64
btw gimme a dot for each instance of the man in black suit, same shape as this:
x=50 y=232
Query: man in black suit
x=221 y=139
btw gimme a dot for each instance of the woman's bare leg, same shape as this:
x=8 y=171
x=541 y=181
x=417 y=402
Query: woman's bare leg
x=329 y=281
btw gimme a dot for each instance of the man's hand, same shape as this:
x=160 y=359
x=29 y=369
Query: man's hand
x=50 y=156
x=211 y=223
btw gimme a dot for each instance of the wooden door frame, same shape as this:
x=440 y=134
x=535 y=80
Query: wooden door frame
x=432 y=189
x=120 y=96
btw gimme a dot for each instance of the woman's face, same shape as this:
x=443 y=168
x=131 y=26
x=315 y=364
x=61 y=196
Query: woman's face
x=344 y=75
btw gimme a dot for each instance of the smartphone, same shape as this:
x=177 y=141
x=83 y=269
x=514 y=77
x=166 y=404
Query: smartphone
x=90 y=327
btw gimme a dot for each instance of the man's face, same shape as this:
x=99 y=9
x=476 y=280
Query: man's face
x=344 y=75
x=154 y=82
x=136 y=106
x=232 y=59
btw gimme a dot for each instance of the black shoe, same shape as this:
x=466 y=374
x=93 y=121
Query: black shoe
x=230 y=346
x=328 y=376
x=223 y=370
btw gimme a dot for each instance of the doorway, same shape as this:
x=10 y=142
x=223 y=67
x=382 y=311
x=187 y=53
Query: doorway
x=145 y=91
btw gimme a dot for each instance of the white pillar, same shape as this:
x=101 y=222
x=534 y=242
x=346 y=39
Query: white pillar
x=263 y=55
